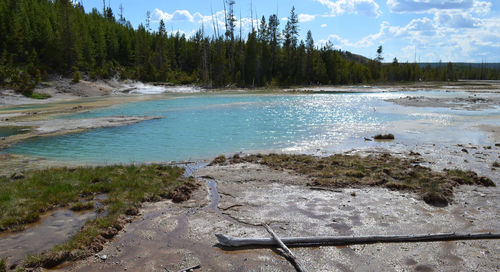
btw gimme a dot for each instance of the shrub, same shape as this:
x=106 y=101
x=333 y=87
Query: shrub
x=40 y=96
x=218 y=160
x=76 y=76
x=384 y=137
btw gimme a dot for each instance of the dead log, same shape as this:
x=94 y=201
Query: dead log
x=228 y=241
x=288 y=252
x=190 y=268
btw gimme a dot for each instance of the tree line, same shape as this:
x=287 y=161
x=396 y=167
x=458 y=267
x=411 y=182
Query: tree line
x=42 y=37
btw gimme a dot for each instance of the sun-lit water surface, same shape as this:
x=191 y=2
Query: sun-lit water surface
x=202 y=126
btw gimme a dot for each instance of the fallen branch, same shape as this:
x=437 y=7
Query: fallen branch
x=190 y=268
x=228 y=241
x=285 y=248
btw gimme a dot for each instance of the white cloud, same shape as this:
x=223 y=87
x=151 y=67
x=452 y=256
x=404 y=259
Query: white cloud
x=456 y=19
x=431 y=6
x=176 y=16
x=324 y=25
x=481 y=7
x=363 y=7
x=306 y=17
x=207 y=20
x=435 y=39
x=364 y=42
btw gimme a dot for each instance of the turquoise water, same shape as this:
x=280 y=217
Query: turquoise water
x=204 y=126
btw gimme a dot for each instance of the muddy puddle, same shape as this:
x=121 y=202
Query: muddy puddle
x=54 y=228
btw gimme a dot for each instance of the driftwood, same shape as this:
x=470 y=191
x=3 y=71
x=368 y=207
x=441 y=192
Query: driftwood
x=288 y=252
x=190 y=268
x=349 y=240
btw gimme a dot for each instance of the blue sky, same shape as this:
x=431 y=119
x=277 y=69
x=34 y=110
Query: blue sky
x=425 y=30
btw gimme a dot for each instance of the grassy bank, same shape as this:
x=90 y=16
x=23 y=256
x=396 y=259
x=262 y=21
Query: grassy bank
x=435 y=188
x=25 y=197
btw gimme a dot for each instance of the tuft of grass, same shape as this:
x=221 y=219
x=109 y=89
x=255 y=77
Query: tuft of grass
x=384 y=137
x=3 y=266
x=81 y=206
x=218 y=160
x=436 y=188
x=496 y=164
x=23 y=201
x=40 y=96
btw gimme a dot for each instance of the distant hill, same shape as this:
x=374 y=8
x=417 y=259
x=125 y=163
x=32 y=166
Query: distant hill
x=463 y=64
x=354 y=57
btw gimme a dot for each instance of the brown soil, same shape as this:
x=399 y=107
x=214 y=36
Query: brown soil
x=183 y=192
x=401 y=174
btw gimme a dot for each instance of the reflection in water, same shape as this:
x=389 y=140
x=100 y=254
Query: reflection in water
x=9 y=131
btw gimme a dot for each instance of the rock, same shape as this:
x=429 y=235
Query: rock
x=17 y=176
x=96 y=247
x=435 y=199
x=132 y=211
x=465 y=150
x=109 y=233
x=103 y=257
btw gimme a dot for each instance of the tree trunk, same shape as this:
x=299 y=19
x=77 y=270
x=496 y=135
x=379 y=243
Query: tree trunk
x=347 y=240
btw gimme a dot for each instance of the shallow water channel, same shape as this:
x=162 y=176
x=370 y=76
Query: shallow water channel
x=52 y=229
x=201 y=126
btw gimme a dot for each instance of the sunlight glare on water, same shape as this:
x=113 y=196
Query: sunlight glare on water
x=203 y=126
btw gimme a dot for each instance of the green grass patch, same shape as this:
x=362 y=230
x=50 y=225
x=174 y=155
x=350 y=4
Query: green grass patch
x=40 y=96
x=81 y=206
x=435 y=188
x=22 y=201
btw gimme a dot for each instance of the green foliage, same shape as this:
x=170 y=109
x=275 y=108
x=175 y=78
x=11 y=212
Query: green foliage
x=76 y=76
x=3 y=266
x=81 y=206
x=35 y=95
x=23 y=201
x=45 y=36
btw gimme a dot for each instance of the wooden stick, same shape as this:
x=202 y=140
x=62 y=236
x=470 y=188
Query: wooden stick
x=285 y=248
x=349 y=240
x=190 y=268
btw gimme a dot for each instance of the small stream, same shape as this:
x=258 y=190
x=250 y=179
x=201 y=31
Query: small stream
x=52 y=229
x=214 y=196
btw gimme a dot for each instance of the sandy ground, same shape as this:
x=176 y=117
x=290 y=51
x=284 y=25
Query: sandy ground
x=471 y=86
x=38 y=117
x=64 y=126
x=171 y=236
x=468 y=103
x=61 y=89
